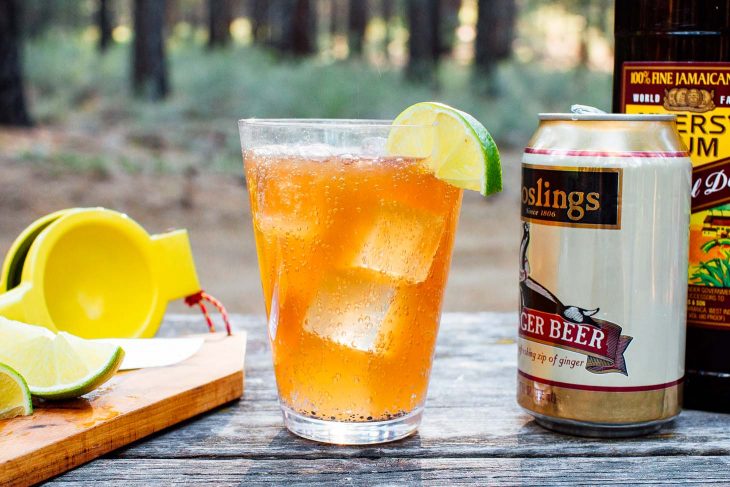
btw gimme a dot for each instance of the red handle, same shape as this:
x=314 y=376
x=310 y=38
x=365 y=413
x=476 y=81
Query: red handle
x=199 y=299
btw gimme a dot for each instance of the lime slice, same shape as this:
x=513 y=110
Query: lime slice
x=57 y=366
x=14 y=394
x=459 y=150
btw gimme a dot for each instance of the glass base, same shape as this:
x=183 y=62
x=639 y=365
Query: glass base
x=342 y=433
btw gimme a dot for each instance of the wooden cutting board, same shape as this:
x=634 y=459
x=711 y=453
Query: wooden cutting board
x=132 y=405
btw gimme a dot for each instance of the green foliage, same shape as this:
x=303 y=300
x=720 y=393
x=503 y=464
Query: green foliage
x=75 y=162
x=71 y=84
x=41 y=16
x=722 y=242
x=714 y=272
x=67 y=75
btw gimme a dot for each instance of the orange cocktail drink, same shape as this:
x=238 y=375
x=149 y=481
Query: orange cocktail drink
x=354 y=246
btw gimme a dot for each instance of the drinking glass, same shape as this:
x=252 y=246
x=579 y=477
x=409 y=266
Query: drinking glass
x=354 y=237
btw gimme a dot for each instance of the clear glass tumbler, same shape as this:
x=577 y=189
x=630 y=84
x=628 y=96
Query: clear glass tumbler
x=354 y=244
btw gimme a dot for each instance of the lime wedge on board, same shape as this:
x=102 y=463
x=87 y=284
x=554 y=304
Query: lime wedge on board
x=15 y=397
x=56 y=366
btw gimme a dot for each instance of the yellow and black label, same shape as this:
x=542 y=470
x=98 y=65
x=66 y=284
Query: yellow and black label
x=699 y=94
x=587 y=197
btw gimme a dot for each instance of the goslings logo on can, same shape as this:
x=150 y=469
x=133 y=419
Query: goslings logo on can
x=572 y=196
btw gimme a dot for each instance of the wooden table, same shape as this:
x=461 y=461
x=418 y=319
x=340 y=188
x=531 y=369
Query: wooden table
x=473 y=433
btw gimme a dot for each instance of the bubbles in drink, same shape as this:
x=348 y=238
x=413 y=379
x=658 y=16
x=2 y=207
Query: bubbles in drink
x=287 y=200
x=354 y=252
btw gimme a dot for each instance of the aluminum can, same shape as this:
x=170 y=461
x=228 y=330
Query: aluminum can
x=603 y=273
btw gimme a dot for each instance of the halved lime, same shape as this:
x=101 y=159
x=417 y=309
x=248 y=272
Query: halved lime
x=459 y=150
x=57 y=366
x=14 y=394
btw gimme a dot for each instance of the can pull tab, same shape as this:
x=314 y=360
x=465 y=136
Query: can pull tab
x=585 y=109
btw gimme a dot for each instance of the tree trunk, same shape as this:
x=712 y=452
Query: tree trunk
x=260 y=21
x=495 y=32
x=449 y=14
x=338 y=16
x=294 y=27
x=302 y=29
x=423 y=39
x=12 y=99
x=173 y=16
x=388 y=7
x=220 y=16
x=435 y=20
x=149 y=78
x=104 y=18
x=593 y=14
x=357 y=22
x=388 y=12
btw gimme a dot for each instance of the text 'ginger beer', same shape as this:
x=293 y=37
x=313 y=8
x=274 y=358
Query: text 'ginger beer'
x=603 y=260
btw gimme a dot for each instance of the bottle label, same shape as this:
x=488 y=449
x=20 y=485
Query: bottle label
x=699 y=94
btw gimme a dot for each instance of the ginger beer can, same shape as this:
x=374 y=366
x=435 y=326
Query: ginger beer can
x=603 y=273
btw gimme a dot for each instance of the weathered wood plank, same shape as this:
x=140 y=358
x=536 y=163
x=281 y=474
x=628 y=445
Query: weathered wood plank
x=471 y=410
x=473 y=433
x=402 y=471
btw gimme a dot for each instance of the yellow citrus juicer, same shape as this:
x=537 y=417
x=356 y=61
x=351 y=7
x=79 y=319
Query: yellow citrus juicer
x=96 y=273
x=13 y=264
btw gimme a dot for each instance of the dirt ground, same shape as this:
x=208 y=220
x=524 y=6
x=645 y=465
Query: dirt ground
x=214 y=208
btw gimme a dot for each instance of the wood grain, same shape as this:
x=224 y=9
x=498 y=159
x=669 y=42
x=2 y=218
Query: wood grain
x=132 y=405
x=402 y=471
x=473 y=433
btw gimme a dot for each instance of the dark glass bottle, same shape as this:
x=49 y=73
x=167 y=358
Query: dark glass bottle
x=669 y=30
x=685 y=37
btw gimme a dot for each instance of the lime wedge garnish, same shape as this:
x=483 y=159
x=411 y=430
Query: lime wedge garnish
x=14 y=394
x=459 y=150
x=57 y=366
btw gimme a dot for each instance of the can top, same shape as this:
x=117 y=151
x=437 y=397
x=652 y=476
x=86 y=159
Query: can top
x=608 y=117
x=587 y=128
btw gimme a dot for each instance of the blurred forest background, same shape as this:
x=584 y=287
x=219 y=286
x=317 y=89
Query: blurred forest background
x=131 y=104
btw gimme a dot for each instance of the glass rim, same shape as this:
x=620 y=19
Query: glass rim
x=315 y=123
